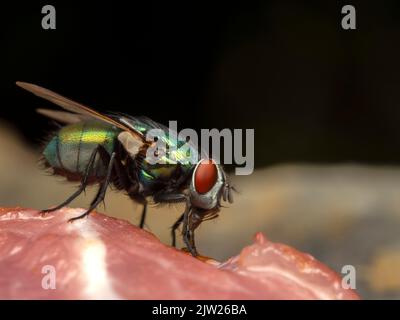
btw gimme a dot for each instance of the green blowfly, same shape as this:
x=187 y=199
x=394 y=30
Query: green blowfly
x=95 y=148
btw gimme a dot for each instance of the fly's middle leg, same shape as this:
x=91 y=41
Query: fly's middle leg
x=143 y=216
x=173 y=229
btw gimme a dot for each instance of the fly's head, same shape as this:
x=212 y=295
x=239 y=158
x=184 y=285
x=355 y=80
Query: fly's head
x=209 y=185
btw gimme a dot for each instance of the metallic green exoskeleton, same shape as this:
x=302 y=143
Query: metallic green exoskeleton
x=69 y=150
x=95 y=148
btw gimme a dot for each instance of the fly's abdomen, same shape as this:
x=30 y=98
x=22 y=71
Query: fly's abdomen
x=69 y=151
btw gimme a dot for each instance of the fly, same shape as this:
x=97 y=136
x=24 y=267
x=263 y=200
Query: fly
x=95 y=148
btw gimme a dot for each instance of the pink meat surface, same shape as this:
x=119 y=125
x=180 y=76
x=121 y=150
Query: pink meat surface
x=106 y=258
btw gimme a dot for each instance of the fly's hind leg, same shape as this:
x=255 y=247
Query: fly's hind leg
x=102 y=190
x=82 y=186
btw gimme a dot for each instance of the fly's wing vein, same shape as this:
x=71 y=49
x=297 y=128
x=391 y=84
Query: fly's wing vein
x=75 y=107
x=62 y=116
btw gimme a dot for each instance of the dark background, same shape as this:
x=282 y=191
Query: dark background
x=313 y=91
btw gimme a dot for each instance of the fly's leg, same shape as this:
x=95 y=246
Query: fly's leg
x=173 y=229
x=189 y=223
x=82 y=186
x=188 y=231
x=124 y=182
x=102 y=190
x=171 y=198
x=143 y=216
x=123 y=179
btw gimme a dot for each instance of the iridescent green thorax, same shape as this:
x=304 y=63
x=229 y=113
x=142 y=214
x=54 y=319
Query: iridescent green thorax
x=70 y=149
x=172 y=157
x=152 y=174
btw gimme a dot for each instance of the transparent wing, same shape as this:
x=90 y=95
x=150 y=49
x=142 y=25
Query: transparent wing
x=63 y=116
x=74 y=107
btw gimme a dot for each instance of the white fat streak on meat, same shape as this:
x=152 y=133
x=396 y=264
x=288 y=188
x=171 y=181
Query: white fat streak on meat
x=93 y=259
x=269 y=262
x=292 y=276
x=15 y=250
x=318 y=291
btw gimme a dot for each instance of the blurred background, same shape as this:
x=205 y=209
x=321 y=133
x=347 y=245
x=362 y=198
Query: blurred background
x=324 y=103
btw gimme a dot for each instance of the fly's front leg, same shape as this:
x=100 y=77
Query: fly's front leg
x=173 y=198
x=190 y=223
x=189 y=218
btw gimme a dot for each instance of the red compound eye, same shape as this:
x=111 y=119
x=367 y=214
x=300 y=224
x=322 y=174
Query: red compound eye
x=205 y=176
